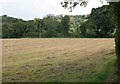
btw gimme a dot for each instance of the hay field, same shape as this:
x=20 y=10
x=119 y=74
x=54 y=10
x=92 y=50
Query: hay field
x=58 y=59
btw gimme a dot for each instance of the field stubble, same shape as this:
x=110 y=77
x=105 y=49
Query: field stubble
x=58 y=59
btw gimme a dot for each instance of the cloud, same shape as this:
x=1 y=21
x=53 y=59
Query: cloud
x=29 y=9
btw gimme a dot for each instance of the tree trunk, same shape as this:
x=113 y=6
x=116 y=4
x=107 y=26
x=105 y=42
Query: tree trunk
x=117 y=36
x=117 y=47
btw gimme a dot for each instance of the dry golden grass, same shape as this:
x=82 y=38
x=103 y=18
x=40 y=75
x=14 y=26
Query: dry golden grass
x=57 y=59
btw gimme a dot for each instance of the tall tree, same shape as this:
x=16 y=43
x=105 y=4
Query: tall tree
x=19 y=29
x=38 y=26
x=116 y=7
x=65 y=22
x=101 y=19
x=50 y=26
x=30 y=31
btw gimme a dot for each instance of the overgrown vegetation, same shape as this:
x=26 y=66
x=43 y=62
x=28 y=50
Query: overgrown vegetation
x=116 y=7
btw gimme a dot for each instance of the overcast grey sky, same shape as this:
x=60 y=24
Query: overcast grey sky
x=29 y=9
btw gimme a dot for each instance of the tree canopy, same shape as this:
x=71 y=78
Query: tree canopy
x=97 y=24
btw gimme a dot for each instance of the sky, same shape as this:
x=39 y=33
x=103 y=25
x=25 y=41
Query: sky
x=29 y=9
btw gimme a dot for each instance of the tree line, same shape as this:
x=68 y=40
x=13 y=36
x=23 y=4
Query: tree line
x=99 y=24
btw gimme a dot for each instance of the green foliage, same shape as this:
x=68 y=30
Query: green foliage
x=50 y=26
x=38 y=26
x=107 y=72
x=19 y=28
x=83 y=30
x=76 y=25
x=97 y=24
x=116 y=8
x=65 y=25
x=30 y=30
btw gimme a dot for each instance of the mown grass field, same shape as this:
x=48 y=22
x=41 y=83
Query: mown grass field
x=58 y=60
